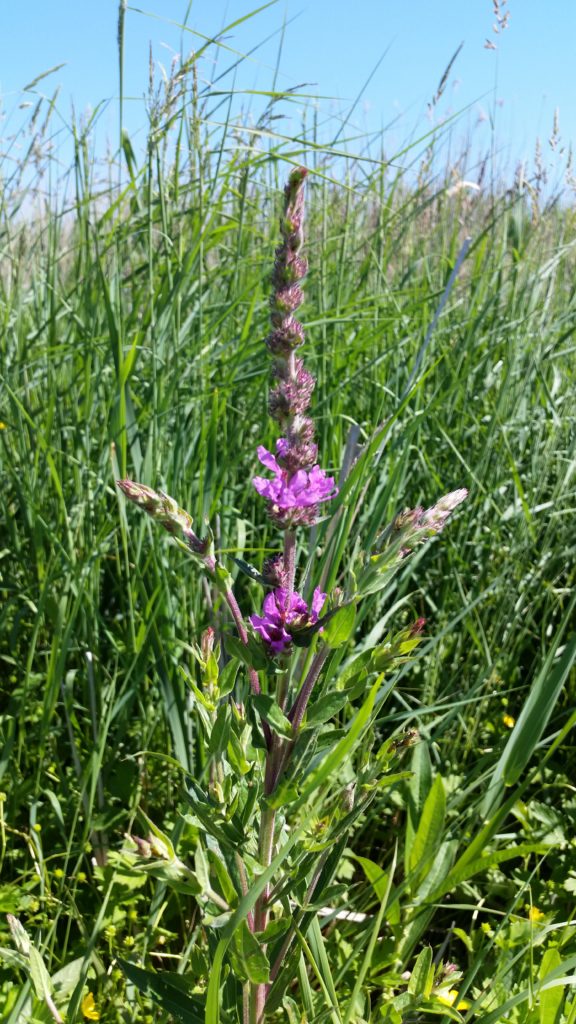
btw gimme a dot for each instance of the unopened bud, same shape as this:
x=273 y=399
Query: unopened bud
x=144 y=847
x=407 y=519
x=145 y=497
x=435 y=518
x=285 y=301
x=166 y=511
x=417 y=627
x=409 y=738
x=287 y=336
x=207 y=643
x=348 y=796
x=273 y=571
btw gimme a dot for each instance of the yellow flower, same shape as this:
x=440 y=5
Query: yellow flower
x=508 y=721
x=450 y=998
x=89 y=1008
x=535 y=915
x=2 y=425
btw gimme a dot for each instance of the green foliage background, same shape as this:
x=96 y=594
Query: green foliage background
x=132 y=320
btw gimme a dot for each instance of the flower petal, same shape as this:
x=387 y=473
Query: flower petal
x=318 y=599
x=263 y=486
x=267 y=459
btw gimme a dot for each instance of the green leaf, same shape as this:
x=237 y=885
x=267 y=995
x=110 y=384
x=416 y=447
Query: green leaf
x=319 y=961
x=65 y=980
x=354 y=668
x=168 y=990
x=377 y=877
x=257 y=888
x=13 y=959
x=465 y=938
x=559 y=976
x=417 y=792
x=369 y=954
x=202 y=869
x=39 y=975
x=209 y=815
x=551 y=999
x=340 y=627
x=252 y=654
x=422 y=976
x=20 y=936
x=212 y=1015
x=236 y=754
x=228 y=675
x=220 y=731
x=226 y=884
x=534 y=716
x=253 y=958
x=326 y=707
x=249 y=570
x=342 y=749
x=430 y=828
x=275 y=928
x=437 y=870
x=461 y=872
x=268 y=709
x=424 y=910
x=222 y=579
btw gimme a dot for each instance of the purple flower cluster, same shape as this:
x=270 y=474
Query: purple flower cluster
x=289 y=269
x=285 y=613
x=299 y=485
x=293 y=497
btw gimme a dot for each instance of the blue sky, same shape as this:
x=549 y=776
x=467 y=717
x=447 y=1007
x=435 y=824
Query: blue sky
x=509 y=94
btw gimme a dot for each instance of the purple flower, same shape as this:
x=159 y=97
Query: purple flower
x=288 y=493
x=282 y=610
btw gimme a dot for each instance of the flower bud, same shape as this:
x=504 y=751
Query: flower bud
x=286 y=337
x=288 y=267
x=144 y=847
x=417 y=627
x=207 y=643
x=347 y=797
x=285 y=301
x=273 y=571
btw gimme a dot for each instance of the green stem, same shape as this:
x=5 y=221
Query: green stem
x=266 y=850
x=266 y=845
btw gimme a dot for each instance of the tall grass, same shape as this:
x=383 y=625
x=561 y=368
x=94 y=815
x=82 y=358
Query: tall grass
x=131 y=325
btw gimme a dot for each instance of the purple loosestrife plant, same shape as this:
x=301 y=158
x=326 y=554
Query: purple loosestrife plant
x=269 y=693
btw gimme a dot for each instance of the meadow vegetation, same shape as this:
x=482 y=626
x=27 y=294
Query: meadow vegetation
x=133 y=307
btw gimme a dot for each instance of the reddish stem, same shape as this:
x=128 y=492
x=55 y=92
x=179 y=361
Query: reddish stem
x=290 y=560
x=296 y=713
